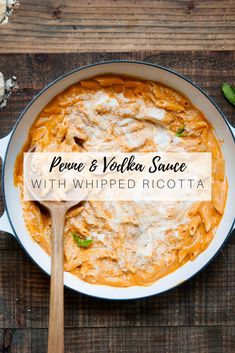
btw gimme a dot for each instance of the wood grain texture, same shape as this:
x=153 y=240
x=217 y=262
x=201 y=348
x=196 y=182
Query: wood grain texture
x=56 y=312
x=197 y=317
x=121 y=25
x=132 y=340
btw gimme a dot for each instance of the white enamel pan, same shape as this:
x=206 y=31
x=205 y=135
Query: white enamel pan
x=12 y=219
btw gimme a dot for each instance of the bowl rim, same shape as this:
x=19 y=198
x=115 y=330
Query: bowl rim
x=43 y=91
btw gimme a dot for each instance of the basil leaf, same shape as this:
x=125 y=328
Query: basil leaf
x=84 y=243
x=180 y=132
x=229 y=92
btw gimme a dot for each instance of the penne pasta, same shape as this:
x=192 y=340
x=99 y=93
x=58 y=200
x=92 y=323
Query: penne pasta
x=126 y=243
x=106 y=81
x=194 y=224
x=208 y=215
x=219 y=193
x=218 y=169
x=90 y=84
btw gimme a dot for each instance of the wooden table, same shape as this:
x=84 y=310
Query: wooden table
x=198 y=316
x=118 y=25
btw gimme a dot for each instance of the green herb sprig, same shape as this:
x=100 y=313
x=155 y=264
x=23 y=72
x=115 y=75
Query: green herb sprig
x=229 y=92
x=83 y=243
x=180 y=132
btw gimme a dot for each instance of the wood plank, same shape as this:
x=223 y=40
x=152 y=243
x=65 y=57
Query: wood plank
x=124 y=340
x=103 y=25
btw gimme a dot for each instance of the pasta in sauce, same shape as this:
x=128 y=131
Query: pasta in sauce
x=132 y=243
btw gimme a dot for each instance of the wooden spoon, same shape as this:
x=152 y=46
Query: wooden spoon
x=56 y=316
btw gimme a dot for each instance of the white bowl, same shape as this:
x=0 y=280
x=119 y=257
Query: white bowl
x=12 y=219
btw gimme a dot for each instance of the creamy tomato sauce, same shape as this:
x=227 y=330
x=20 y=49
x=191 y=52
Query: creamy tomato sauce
x=131 y=243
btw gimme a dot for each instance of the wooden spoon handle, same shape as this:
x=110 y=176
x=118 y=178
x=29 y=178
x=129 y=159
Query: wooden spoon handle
x=56 y=316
